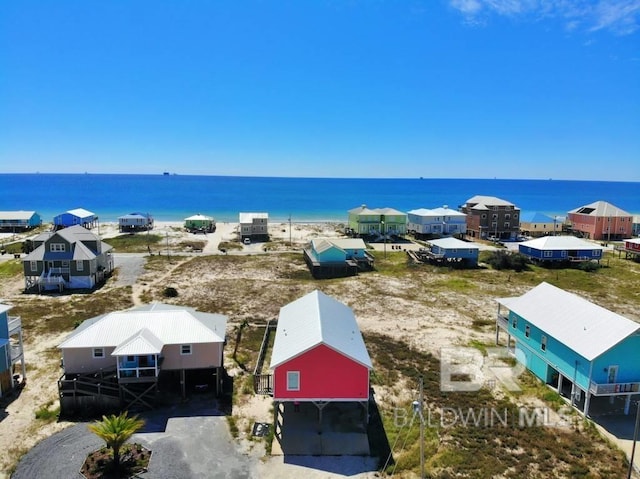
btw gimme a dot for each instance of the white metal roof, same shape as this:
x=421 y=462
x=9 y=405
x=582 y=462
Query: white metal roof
x=442 y=211
x=489 y=201
x=317 y=319
x=16 y=215
x=586 y=328
x=348 y=243
x=249 y=217
x=141 y=343
x=560 y=243
x=633 y=240
x=170 y=325
x=4 y=308
x=199 y=218
x=450 y=243
x=81 y=213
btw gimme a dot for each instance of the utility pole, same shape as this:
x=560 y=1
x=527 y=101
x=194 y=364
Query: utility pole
x=417 y=408
x=635 y=438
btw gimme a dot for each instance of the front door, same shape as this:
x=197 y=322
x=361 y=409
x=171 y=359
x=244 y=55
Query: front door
x=612 y=375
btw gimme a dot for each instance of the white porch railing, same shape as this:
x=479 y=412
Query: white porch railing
x=15 y=323
x=502 y=321
x=145 y=372
x=603 y=389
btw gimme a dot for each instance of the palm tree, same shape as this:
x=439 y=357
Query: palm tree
x=115 y=431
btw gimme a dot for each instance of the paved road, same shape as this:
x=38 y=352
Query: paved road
x=188 y=441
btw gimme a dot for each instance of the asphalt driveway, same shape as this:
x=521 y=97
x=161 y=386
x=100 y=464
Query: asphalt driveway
x=187 y=441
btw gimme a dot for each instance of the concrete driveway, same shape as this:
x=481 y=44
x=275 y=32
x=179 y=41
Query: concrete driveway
x=187 y=441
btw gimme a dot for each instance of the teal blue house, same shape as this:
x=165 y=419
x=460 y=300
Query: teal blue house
x=589 y=354
x=335 y=257
x=11 y=351
x=452 y=250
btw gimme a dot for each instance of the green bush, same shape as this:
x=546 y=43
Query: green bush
x=170 y=292
x=503 y=259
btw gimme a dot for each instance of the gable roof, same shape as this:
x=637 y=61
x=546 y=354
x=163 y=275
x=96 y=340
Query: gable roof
x=81 y=213
x=450 y=243
x=442 y=211
x=317 y=319
x=487 y=201
x=148 y=327
x=199 y=217
x=586 y=328
x=600 y=208
x=560 y=243
x=17 y=215
x=75 y=235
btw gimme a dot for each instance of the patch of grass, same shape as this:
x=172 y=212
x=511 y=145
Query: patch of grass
x=11 y=268
x=135 y=243
x=229 y=245
x=47 y=414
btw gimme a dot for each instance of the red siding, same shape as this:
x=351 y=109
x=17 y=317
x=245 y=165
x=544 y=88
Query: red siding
x=324 y=374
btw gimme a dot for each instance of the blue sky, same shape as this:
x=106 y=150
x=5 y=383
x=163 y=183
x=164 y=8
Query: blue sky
x=335 y=88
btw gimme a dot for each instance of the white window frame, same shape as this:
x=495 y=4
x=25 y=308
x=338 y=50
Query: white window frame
x=97 y=353
x=543 y=343
x=79 y=265
x=186 y=350
x=57 y=247
x=33 y=265
x=595 y=252
x=514 y=322
x=293 y=380
x=547 y=254
x=527 y=331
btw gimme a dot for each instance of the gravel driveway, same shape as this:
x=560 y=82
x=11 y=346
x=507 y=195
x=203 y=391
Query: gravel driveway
x=130 y=267
x=186 y=441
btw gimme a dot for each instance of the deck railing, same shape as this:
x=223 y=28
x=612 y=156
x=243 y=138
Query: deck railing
x=146 y=372
x=15 y=323
x=502 y=321
x=604 y=389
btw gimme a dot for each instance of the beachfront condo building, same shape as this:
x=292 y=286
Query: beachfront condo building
x=489 y=217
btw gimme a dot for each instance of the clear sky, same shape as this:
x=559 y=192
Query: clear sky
x=334 y=88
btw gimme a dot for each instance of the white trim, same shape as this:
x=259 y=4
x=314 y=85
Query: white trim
x=183 y=351
x=97 y=356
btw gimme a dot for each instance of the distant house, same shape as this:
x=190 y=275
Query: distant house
x=601 y=221
x=78 y=216
x=586 y=352
x=200 y=223
x=450 y=251
x=132 y=351
x=135 y=222
x=70 y=258
x=335 y=257
x=319 y=355
x=538 y=224
x=491 y=217
x=560 y=248
x=635 y=228
x=19 y=220
x=11 y=351
x=631 y=248
x=439 y=222
x=254 y=226
x=365 y=221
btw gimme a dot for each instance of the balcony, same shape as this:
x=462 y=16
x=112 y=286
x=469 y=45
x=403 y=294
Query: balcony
x=15 y=324
x=607 y=389
x=137 y=374
x=503 y=322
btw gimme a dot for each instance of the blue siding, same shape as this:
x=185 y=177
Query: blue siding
x=331 y=255
x=5 y=355
x=353 y=253
x=465 y=253
x=4 y=325
x=566 y=361
x=625 y=355
x=557 y=255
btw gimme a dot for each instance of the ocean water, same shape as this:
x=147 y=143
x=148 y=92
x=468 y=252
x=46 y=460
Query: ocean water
x=174 y=197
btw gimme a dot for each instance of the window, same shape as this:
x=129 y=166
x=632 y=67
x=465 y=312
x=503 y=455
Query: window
x=563 y=254
x=185 y=349
x=507 y=224
x=527 y=331
x=33 y=265
x=543 y=343
x=547 y=254
x=131 y=359
x=596 y=252
x=79 y=265
x=483 y=216
x=507 y=216
x=293 y=380
x=57 y=247
x=494 y=225
x=494 y=216
x=98 y=353
x=514 y=322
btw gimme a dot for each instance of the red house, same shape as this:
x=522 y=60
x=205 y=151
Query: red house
x=601 y=221
x=318 y=353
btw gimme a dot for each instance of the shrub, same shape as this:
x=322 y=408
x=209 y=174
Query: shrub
x=502 y=259
x=170 y=292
